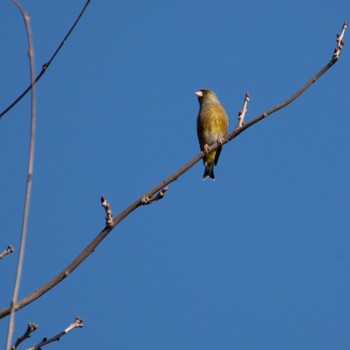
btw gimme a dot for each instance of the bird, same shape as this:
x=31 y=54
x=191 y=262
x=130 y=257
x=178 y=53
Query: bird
x=212 y=126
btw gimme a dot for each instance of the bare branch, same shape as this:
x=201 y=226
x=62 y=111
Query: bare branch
x=28 y=27
x=78 y=323
x=30 y=329
x=150 y=194
x=7 y=251
x=47 y=64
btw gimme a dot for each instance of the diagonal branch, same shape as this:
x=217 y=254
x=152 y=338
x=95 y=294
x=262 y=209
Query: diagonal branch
x=155 y=193
x=47 y=64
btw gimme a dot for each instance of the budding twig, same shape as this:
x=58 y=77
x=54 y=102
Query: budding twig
x=156 y=197
x=30 y=329
x=243 y=111
x=340 y=42
x=108 y=210
x=7 y=251
x=78 y=323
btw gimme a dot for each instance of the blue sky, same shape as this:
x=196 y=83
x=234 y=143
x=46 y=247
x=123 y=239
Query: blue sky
x=258 y=259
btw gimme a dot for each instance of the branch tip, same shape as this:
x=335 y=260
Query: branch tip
x=243 y=111
x=78 y=323
x=10 y=249
x=340 y=42
x=30 y=329
x=108 y=210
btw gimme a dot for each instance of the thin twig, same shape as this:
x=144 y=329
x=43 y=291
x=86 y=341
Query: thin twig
x=28 y=27
x=7 y=251
x=47 y=64
x=78 y=323
x=30 y=329
x=140 y=201
x=243 y=111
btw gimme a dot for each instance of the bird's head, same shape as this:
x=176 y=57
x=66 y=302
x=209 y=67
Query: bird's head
x=206 y=95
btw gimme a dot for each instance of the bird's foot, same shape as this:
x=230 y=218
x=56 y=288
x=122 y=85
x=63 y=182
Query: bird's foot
x=206 y=148
x=221 y=141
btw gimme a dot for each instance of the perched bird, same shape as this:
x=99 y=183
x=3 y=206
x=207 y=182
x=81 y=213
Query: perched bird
x=212 y=126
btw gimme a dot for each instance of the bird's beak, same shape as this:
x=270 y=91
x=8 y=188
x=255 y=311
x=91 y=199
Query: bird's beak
x=199 y=93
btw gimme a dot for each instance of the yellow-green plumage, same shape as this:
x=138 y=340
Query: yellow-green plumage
x=212 y=127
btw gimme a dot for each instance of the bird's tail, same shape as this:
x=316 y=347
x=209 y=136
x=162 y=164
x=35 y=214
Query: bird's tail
x=209 y=169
